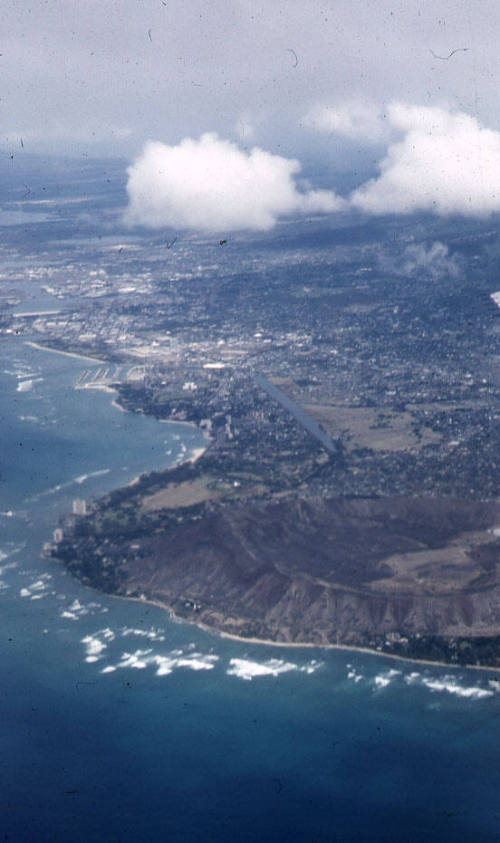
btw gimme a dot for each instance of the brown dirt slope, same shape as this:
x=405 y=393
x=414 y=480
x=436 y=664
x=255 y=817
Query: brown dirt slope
x=329 y=571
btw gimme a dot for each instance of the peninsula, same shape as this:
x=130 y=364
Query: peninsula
x=249 y=540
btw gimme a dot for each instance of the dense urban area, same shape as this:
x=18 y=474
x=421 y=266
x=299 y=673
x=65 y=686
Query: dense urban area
x=342 y=372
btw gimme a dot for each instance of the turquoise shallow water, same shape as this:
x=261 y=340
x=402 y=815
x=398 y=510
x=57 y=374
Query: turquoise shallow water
x=119 y=724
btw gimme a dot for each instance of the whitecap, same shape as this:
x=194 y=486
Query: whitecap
x=152 y=634
x=96 y=644
x=135 y=660
x=83 y=477
x=496 y=298
x=8 y=567
x=41 y=583
x=451 y=686
x=21 y=375
x=94 y=647
x=24 y=386
x=247 y=669
x=311 y=667
x=78 y=480
x=36 y=588
x=108 y=634
x=196 y=661
x=385 y=679
x=165 y=664
x=77 y=610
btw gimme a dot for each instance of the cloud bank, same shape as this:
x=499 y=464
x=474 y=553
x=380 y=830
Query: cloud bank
x=437 y=160
x=211 y=184
x=446 y=162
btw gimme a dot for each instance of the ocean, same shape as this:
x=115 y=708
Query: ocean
x=118 y=723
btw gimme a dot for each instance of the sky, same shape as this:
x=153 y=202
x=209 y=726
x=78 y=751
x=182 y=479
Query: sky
x=405 y=91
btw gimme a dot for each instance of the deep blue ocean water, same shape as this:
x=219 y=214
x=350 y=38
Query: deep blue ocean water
x=117 y=723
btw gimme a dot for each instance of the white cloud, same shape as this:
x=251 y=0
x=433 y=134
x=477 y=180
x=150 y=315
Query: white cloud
x=446 y=162
x=211 y=184
x=432 y=262
x=354 y=120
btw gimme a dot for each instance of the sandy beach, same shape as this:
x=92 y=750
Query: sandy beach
x=66 y=353
x=299 y=644
x=196 y=453
x=100 y=386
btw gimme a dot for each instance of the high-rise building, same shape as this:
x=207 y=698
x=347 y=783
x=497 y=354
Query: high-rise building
x=79 y=506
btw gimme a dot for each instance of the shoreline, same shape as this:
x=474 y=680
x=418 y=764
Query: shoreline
x=191 y=424
x=196 y=454
x=100 y=386
x=115 y=403
x=264 y=642
x=112 y=390
x=66 y=353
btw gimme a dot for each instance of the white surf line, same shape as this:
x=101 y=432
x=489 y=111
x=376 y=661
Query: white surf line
x=249 y=669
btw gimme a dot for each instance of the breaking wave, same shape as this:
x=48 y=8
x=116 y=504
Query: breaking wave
x=248 y=669
x=77 y=610
x=74 y=481
x=448 y=684
x=164 y=665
